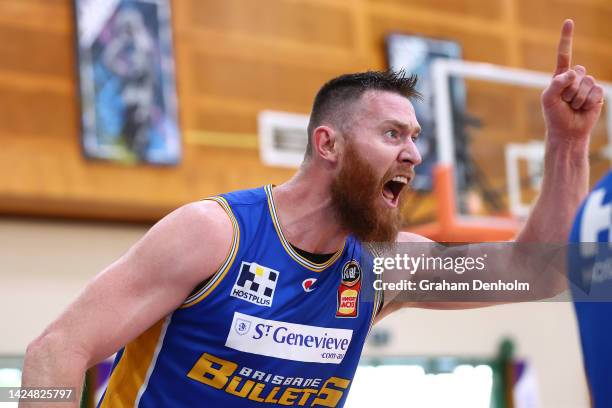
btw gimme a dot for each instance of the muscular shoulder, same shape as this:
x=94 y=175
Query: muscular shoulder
x=205 y=219
x=190 y=243
x=204 y=228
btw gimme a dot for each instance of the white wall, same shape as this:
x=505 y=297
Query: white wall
x=44 y=264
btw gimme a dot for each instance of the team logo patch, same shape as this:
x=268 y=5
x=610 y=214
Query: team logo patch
x=289 y=341
x=348 y=291
x=255 y=284
x=351 y=273
x=307 y=285
x=242 y=326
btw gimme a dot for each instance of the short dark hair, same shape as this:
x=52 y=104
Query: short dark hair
x=339 y=92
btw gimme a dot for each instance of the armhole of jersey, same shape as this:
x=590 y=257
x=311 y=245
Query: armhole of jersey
x=218 y=276
x=380 y=303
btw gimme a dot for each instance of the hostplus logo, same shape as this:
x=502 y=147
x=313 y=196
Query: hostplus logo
x=255 y=284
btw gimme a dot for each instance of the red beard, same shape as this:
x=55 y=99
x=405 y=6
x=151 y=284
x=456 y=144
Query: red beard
x=356 y=198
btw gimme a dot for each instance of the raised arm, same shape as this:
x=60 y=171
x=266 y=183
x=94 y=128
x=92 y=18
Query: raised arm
x=571 y=104
x=150 y=281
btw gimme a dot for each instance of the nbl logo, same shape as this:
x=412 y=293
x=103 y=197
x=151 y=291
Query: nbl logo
x=255 y=284
x=348 y=291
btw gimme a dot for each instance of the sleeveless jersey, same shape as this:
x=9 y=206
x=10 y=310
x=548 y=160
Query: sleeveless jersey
x=590 y=271
x=270 y=328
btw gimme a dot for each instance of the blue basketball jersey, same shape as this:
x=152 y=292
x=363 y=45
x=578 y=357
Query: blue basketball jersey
x=270 y=328
x=590 y=272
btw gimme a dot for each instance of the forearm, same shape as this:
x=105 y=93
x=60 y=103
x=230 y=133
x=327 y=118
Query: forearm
x=564 y=186
x=52 y=361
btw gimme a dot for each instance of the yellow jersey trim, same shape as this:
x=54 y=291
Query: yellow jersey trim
x=315 y=267
x=218 y=276
x=133 y=368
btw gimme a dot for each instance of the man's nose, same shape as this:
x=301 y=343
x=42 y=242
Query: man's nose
x=410 y=154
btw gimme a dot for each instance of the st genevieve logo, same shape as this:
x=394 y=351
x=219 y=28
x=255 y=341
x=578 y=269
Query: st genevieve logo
x=348 y=290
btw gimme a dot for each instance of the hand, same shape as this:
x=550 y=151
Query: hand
x=573 y=100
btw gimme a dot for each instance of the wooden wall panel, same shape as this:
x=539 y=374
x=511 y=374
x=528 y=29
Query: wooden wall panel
x=306 y=23
x=592 y=18
x=36 y=52
x=235 y=58
x=540 y=56
x=38 y=113
x=216 y=119
x=476 y=46
x=472 y=8
x=258 y=81
x=46 y=15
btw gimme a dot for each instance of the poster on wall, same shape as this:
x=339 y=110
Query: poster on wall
x=126 y=79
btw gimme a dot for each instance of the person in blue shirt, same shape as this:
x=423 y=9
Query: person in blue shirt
x=590 y=272
x=260 y=297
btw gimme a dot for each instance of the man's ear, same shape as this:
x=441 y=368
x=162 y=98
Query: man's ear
x=326 y=143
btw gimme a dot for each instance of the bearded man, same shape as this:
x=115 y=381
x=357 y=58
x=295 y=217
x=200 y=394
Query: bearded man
x=257 y=297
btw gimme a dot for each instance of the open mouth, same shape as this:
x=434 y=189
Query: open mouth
x=392 y=189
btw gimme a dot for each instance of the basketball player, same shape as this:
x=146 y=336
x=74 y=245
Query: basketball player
x=276 y=316
x=590 y=266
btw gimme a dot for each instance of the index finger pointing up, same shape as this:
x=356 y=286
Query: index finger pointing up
x=564 y=52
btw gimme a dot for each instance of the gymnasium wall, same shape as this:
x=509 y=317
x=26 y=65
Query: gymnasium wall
x=235 y=58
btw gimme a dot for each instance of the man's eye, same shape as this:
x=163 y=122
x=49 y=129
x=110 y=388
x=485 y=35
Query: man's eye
x=392 y=134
